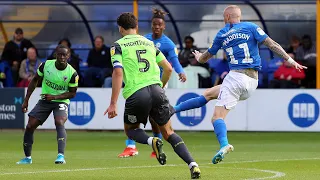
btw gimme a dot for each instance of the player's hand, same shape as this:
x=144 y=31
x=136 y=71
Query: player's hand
x=25 y=106
x=182 y=77
x=298 y=66
x=197 y=54
x=112 y=111
x=48 y=97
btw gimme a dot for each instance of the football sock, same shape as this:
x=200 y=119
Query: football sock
x=180 y=148
x=158 y=135
x=27 y=142
x=220 y=129
x=61 y=138
x=191 y=104
x=138 y=135
x=130 y=143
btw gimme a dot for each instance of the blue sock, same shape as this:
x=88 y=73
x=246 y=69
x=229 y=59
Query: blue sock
x=220 y=129
x=158 y=135
x=130 y=142
x=191 y=104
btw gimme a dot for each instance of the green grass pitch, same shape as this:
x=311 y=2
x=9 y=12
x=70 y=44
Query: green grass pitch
x=93 y=155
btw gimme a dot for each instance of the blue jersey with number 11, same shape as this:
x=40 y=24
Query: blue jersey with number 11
x=240 y=42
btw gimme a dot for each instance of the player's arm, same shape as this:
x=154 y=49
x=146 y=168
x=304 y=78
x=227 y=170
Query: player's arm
x=73 y=86
x=204 y=57
x=117 y=74
x=173 y=59
x=263 y=38
x=34 y=82
x=117 y=78
x=165 y=65
x=276 y=48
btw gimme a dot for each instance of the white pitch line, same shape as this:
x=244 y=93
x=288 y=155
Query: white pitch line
x=172 y=165
x=271 y=160
x=276 y=174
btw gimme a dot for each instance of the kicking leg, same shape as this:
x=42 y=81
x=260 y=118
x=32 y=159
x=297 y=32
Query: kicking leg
x=32 y=125
x=200 y=101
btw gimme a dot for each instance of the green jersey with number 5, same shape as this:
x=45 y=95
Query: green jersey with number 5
x=139 y=59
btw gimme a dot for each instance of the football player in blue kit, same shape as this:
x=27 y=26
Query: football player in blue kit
x=240 y=42
x=168 y=48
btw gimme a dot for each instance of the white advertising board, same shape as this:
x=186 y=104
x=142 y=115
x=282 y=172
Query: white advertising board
x=266 y=110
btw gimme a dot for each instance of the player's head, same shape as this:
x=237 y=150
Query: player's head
x=158 y=24
x=127 y=23
x=232 y=14
x=62 y=54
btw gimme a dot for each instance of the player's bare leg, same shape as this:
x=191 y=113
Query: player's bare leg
x=180 y=148
x=134 y=132
x=61 y=138
x=156 y=133
x=32 y=125
x=208 y=95
x=220 y=129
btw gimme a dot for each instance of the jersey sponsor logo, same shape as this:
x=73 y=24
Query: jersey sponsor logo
x=137 y=43
x=81 y=109
x=192 y=117
x=235 y=36
x=55 y=86
x=112 y=50
x=260 y=31
x=303 y=110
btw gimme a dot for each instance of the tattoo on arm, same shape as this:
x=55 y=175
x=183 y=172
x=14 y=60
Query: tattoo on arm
x=276 y=48
x=205 y=57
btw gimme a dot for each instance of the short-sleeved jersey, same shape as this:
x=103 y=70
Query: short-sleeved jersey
x=240 y=42
x=139 y=59
x=56 y=81
x=165 y=45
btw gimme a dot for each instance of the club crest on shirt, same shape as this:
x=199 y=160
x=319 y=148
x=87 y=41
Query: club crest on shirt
x=103 y=52
x=158 y=45
x=112 y=50
x=65 y=78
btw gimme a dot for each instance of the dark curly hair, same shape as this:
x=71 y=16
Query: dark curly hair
x=158 y=13
x=127 y=21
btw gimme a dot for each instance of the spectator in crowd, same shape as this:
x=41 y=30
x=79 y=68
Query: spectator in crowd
x=28 y=67
x=15 y=51
x=294 y=44
x=306 y=53
x=74 y=60
x=185 y=56
x=221 y=70
x=287 y=77
x=99 y=70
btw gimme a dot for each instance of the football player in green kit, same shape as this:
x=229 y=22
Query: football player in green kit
x=59 y=84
